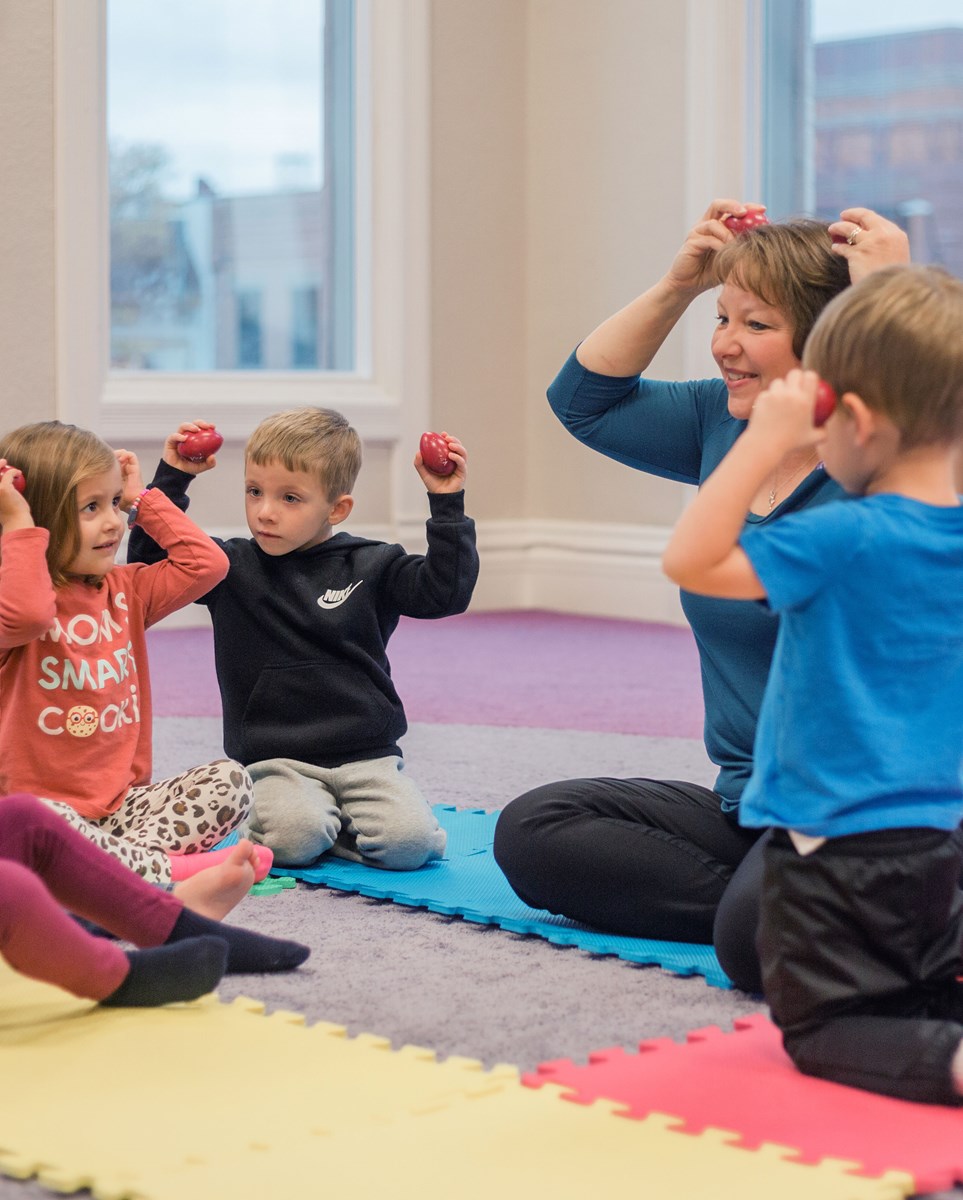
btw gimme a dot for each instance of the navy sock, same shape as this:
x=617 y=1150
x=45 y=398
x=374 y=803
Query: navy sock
x=248 y=952
x=163 y=974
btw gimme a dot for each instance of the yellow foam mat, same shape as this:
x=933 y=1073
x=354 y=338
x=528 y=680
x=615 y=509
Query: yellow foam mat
x=203 y=1100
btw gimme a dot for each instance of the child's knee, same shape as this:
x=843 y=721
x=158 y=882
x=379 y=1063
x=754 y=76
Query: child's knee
x=407 y=838
x=19 y=810
x=231 y=781
x=293 y=814
x=293 y=845
x=22 y=897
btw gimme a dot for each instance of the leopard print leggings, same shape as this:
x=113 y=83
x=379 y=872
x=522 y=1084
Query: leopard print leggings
x=184 y=815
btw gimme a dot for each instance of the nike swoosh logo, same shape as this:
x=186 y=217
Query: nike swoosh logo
x=332 y=599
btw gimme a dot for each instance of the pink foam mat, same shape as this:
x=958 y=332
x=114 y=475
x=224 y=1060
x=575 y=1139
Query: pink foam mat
x=743 y=1081
x=514 y=669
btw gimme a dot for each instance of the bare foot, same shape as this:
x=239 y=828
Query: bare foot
x=214 y=891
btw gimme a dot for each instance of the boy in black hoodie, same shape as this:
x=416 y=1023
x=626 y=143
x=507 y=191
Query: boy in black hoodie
x=301 y=625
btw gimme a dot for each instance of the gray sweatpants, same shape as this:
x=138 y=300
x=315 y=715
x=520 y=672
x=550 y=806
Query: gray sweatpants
x=368 y=811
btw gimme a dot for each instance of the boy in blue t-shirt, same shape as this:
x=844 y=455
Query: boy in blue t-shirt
x=859 y=751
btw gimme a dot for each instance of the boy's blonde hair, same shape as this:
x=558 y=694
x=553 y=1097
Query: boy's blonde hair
x=789 y=266
x=55 y=459
x=896 y=340
x=316 y=440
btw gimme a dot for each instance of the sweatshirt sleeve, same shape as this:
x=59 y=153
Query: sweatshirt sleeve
x=141 y=547
x=27 y=601
x=651 y=425
x=193 y=564
x=439 y=583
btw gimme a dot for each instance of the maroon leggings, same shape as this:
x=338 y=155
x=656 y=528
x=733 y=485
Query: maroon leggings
x=46 y=867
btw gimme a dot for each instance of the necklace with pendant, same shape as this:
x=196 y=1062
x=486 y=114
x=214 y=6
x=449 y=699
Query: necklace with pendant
x=781 y=483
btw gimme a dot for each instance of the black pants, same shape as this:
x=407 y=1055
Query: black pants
x=861 y=945
x=737 y=920
x=640 y=857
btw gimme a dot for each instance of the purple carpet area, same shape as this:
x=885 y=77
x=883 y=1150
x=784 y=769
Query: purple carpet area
x=538 y=670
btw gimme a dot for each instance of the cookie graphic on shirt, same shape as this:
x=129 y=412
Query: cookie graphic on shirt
x=82 y=720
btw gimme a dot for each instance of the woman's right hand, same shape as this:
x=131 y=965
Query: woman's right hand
x=626 y=342
x=693 y=268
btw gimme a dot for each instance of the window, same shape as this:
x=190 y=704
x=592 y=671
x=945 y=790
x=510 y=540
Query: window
x=231 y=152
x=384 y=333
x=866 y=105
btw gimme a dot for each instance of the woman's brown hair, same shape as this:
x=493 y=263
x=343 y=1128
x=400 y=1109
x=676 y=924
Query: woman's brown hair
x=790 y=266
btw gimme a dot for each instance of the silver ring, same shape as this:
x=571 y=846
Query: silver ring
x=853 y=234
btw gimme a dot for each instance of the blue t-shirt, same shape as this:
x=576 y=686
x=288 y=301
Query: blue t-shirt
x=682 y=431
x=862 y=722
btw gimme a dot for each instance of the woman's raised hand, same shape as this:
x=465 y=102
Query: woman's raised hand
x=693 y=268
x=870 y=242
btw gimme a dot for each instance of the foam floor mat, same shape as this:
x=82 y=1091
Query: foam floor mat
x=98 y=1097
x=745 y=1082
x=276 y=1108
x=504 y=1145
x=468 y=883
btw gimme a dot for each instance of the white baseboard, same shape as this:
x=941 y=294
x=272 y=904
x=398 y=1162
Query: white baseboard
x=564 y=566
x=576 y=567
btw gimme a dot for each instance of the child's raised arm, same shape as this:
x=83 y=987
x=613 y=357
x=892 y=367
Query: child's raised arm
x=172 y=477
x=14 y=509
x=27 y=604
x=703 y=554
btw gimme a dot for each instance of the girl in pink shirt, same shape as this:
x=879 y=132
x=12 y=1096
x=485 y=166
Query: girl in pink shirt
x=75 y=701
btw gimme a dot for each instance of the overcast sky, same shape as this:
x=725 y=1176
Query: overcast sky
x=856 y=18
x=233 y=87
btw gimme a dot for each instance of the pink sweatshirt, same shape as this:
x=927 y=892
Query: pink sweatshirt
x=75 y=706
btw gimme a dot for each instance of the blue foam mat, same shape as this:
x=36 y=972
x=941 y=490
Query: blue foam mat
x=468 y=883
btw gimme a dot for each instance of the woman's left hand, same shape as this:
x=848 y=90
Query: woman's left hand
x=871 y=242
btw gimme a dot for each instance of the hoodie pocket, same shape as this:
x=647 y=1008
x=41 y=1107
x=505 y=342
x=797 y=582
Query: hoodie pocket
x=319 y=711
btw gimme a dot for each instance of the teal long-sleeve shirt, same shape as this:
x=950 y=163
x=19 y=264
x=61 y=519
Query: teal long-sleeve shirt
x=682 y=431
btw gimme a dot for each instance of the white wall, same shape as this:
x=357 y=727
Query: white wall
x=573 y=145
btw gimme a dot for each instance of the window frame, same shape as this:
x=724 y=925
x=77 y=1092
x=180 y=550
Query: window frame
x=386 y=396
x=785 y=134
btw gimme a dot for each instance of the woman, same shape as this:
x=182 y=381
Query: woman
x=653 y=858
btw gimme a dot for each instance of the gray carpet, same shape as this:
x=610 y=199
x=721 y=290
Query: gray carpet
x=414 y=976
x=459 y=988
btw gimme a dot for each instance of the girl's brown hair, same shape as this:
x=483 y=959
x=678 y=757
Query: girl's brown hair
x=55 y=458
x=790 y=266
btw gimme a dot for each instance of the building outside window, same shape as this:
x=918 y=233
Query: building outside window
x=231 y=185
x=867 y=104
